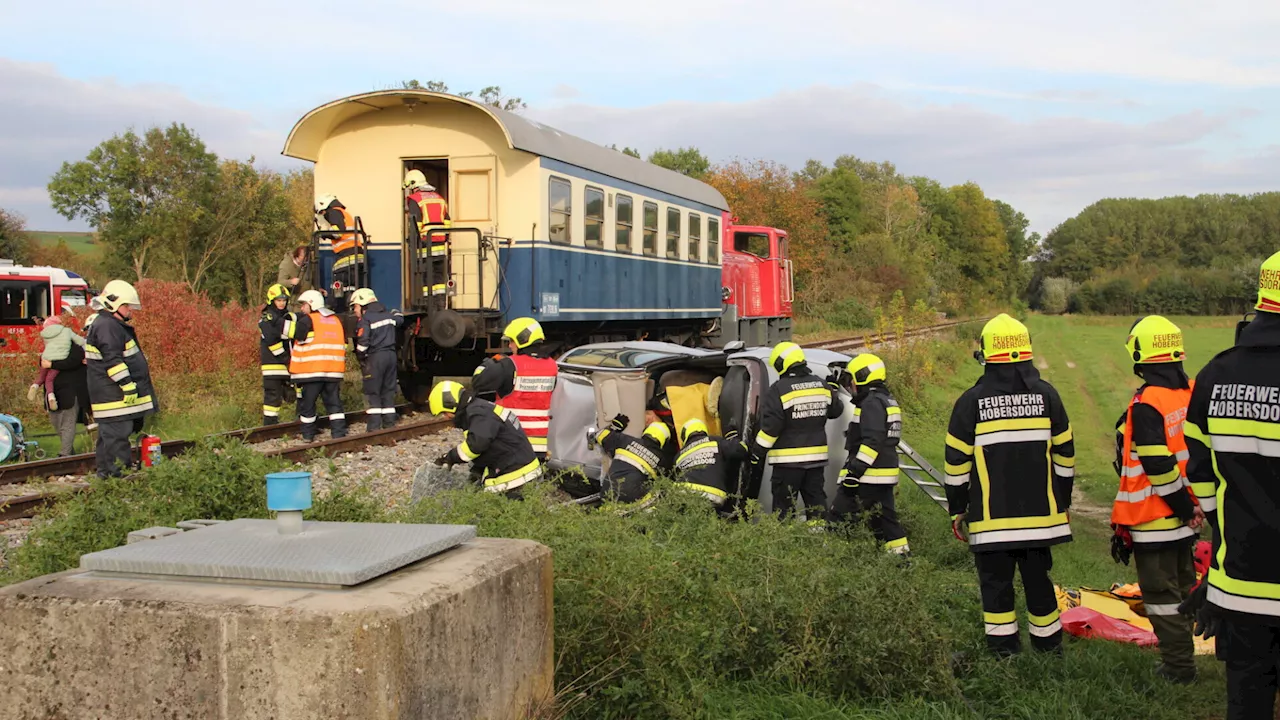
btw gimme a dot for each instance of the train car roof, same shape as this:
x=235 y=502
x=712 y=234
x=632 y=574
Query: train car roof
x=315 y=127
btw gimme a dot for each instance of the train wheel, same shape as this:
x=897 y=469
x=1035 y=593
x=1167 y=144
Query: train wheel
x=416 y=386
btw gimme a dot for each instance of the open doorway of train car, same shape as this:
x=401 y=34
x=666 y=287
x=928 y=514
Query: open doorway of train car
x=436 y=171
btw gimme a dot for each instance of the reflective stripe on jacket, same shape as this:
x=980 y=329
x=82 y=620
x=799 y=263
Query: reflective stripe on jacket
x=322 y=354
x=1143 y=501
x=530 y=400
x=116 y=368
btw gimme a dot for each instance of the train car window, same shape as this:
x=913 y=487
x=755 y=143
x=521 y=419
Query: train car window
x=673 y=233
x=651 y=229
x=695 y=237
x=713 y=241
x=623 y=223
x=593 y=231
x=754 y=243
x=561 y=211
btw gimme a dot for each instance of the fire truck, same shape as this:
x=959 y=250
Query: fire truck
x=28 y=295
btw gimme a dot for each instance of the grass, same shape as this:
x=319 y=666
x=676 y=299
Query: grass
x=78 y=242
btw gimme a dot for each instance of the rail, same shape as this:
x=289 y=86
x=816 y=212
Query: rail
x=855 y=343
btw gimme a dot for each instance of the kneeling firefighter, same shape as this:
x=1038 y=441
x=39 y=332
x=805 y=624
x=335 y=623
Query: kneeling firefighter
x=499 y=453
x=870 y=475
x=376 y=351
x=637 y=462
x=709 y=465
x=317 y=363
x=273 y=353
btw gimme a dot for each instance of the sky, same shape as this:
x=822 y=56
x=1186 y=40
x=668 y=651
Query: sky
x=1048 y=106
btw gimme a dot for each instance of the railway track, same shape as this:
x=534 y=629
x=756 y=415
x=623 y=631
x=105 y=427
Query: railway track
x=857 y=343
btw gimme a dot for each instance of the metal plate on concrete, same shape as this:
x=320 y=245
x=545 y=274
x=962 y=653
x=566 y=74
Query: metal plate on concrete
x=327 y=553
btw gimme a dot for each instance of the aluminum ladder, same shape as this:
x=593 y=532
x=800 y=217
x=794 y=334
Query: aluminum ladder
x=924 y=475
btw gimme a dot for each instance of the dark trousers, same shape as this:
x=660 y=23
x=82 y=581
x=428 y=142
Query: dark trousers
x=274 y=390
x=876 y=503
x=328 y=391
x=787 y=481
x=379 y=386
x=1251 y=652
x=64 y=423
x=1166 y=575
x=995 y=579
x=114 y=455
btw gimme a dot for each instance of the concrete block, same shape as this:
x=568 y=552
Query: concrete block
x=197 y=524
x=151 y=533
x=324 y=553
x=464 y=634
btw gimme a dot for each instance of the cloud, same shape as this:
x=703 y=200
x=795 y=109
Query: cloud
x=50 y=118
x=1049 y=168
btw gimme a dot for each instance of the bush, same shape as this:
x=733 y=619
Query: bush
x=1055 y=295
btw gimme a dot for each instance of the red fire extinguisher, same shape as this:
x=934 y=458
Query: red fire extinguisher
x=150 y=450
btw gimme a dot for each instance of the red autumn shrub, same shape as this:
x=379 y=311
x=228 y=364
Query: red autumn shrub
x=184 y=333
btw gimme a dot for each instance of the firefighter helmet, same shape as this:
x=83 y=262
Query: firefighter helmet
x=691 y=428
x=524 y=332
x=312 y=298
x=1005 y=340
x=1269 y=285
x=658 y=431
x=1154 y=339
x=414 y=179
x=117 y=293
x=324 y=201
x=363 y=296
x=277 y=291
x=445 y=397
x=785 y=355
x=866 y=368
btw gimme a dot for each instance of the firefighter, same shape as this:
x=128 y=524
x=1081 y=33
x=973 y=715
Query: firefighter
x=870 y=474
x=120 y=390
x=1233 y=436
x=348 y=247
x=317 y=363
x=523 y=381
x=500 y=455
x=1010 y=464
x=637 y=462
x=706 y=464
x=793 y=432
x=658 y=409
x=426 y=208
x=376 y=351
x=273 y=353
x=1155 y=516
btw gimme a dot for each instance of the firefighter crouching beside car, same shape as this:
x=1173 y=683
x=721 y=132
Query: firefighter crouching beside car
x=707 y=464
x=637 y=462
x=376 y=351
x=1010 y=464
x=500 y=455
x=120 y=390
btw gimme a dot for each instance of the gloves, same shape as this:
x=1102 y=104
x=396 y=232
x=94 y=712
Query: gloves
x=957 y=523
x=131 y=398
x=1207 y=618
x=847 y=480
x=756 y=455
x=1121 y=544
x=619 y=422
x=442 y=460
x=731 y=435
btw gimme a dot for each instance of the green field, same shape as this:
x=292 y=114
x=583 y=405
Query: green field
x=79 y=242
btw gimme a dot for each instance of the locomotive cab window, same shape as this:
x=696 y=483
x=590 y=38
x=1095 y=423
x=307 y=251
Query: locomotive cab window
x=713 y=241
x=651 y=229
x=695 y=237
x=623 y=222
x=673 y=233
x=561 y=211
x=593 y=228
x=754 y=243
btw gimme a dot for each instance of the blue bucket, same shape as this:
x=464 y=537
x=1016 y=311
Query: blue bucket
x=288 y=491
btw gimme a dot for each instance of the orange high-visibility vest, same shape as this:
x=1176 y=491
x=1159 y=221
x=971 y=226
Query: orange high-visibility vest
x=1138 y=503
x=347 y=241
x=322 y=356
x=531 y=398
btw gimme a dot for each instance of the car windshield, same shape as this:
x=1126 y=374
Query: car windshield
x=612 y=357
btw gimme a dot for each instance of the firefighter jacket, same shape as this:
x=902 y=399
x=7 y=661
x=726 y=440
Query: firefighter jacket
x=273 y=349
x=426 y=209
x=636 y=464
x=319 y=346
x=1011 y=460
x=376 y=330
x=872 y=438
x=119 y=378
x=346 y=246
x=1154 y=500
x=1233 y=436
x=532 y=379
x=793 y=419
x=494 y=447
x=709 y=465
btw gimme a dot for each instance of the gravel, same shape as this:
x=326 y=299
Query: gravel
x=12 y=534
x=387 y=470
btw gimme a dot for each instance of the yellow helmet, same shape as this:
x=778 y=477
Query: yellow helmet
x=866 y=368
x=277 y=291
x=1005 y=340
x=363 y=296
x=691 y=427
x=117 y=293
x=1153 y=339
x=658 y=431
x=445 y=397
x=785 y=355
x=1269 y=285
x=524 y=332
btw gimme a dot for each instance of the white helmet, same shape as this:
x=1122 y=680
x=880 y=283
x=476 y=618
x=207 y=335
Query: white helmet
x=312 y=298
x=324 y=201
x=414 y=179
x=117 y=293
x=363 y=296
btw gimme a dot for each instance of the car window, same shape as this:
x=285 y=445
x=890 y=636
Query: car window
x=622 y=358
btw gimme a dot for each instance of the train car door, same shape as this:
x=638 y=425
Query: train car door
x=473 y=203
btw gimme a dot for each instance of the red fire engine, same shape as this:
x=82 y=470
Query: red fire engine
x=28 y=295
